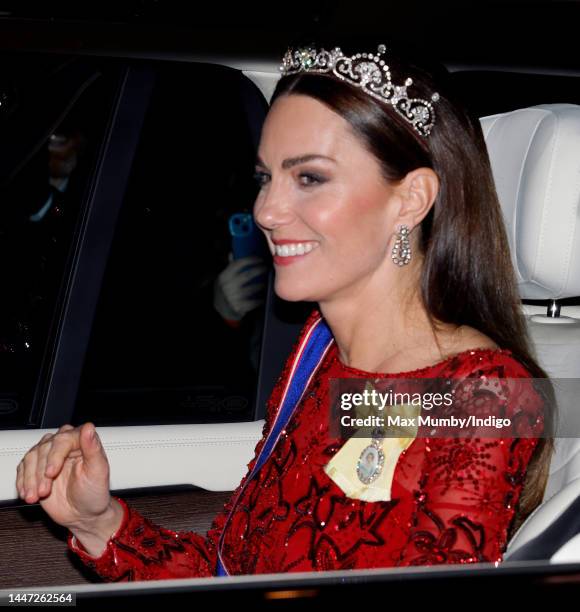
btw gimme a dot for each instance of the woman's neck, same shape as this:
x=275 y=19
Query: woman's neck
x=388 y=331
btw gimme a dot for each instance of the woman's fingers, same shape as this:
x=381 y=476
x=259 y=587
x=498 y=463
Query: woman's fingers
x=51 y=467
x=44 y=482
x=42 y=450
x=19 y=479
x=31 y=480
x=32 y=477
x=29 y=476
x=62 y=445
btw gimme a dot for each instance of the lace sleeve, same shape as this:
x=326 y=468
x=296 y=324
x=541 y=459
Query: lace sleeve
x=470 y=486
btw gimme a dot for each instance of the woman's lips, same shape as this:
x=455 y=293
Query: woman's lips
x=279 y=260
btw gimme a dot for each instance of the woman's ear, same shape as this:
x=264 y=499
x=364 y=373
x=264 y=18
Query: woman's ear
x=417 y=192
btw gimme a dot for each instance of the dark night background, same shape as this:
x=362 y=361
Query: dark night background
x=523 y=33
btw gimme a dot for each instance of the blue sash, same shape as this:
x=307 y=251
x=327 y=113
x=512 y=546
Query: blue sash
x=309 y=356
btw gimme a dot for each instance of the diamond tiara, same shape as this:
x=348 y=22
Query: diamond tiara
x=368 y=72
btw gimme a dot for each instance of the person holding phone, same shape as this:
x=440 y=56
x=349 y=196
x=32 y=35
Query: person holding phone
x=239 y=291
x=241 y=285
x=235 y=295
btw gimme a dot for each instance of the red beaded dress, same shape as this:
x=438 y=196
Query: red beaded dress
x=452 y=500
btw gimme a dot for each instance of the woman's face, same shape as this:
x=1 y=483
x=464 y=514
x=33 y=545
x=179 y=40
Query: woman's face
x=338 y=202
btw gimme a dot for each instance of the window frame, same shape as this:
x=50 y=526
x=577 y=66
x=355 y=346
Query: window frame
x=57 y=391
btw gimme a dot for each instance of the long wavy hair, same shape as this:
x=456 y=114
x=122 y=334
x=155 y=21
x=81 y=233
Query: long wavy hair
x=467 y=276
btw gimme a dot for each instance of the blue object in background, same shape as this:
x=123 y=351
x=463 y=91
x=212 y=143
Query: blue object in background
x=247 y=238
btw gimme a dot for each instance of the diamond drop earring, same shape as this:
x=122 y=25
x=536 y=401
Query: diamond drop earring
x=401 y=253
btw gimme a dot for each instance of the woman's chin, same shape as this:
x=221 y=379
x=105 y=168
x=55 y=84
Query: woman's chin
x=293 y=292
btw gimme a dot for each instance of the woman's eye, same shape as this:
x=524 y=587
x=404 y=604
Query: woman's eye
x=311 y=179
x=306 y=179
x=260 y=177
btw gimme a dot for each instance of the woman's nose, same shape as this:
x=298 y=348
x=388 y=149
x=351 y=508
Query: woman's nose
x=271 y=210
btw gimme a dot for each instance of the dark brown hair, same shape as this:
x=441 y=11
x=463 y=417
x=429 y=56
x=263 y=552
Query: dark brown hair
x=467 y=276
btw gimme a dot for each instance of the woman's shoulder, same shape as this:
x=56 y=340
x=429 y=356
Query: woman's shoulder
x=477 y=352
x=467 y=337
x=490 y=377
x=500 y=362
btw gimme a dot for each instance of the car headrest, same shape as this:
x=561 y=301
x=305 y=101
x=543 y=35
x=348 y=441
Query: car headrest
x=535 y=158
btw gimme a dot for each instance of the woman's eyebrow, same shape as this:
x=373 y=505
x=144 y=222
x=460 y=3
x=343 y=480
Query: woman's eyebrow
x=294 y=161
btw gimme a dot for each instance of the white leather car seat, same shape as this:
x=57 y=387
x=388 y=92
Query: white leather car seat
x=535 y=156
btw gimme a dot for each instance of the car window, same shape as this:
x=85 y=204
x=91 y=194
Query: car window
x=160 y=352
x=53 y=117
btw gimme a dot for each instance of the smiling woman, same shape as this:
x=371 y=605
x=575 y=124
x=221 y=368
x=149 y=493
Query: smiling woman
x=400 y=188
x=398 y=236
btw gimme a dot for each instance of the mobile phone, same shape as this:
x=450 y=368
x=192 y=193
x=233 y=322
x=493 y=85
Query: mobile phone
x=247 y=238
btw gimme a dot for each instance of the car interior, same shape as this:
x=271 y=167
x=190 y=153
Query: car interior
x=533 y=138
